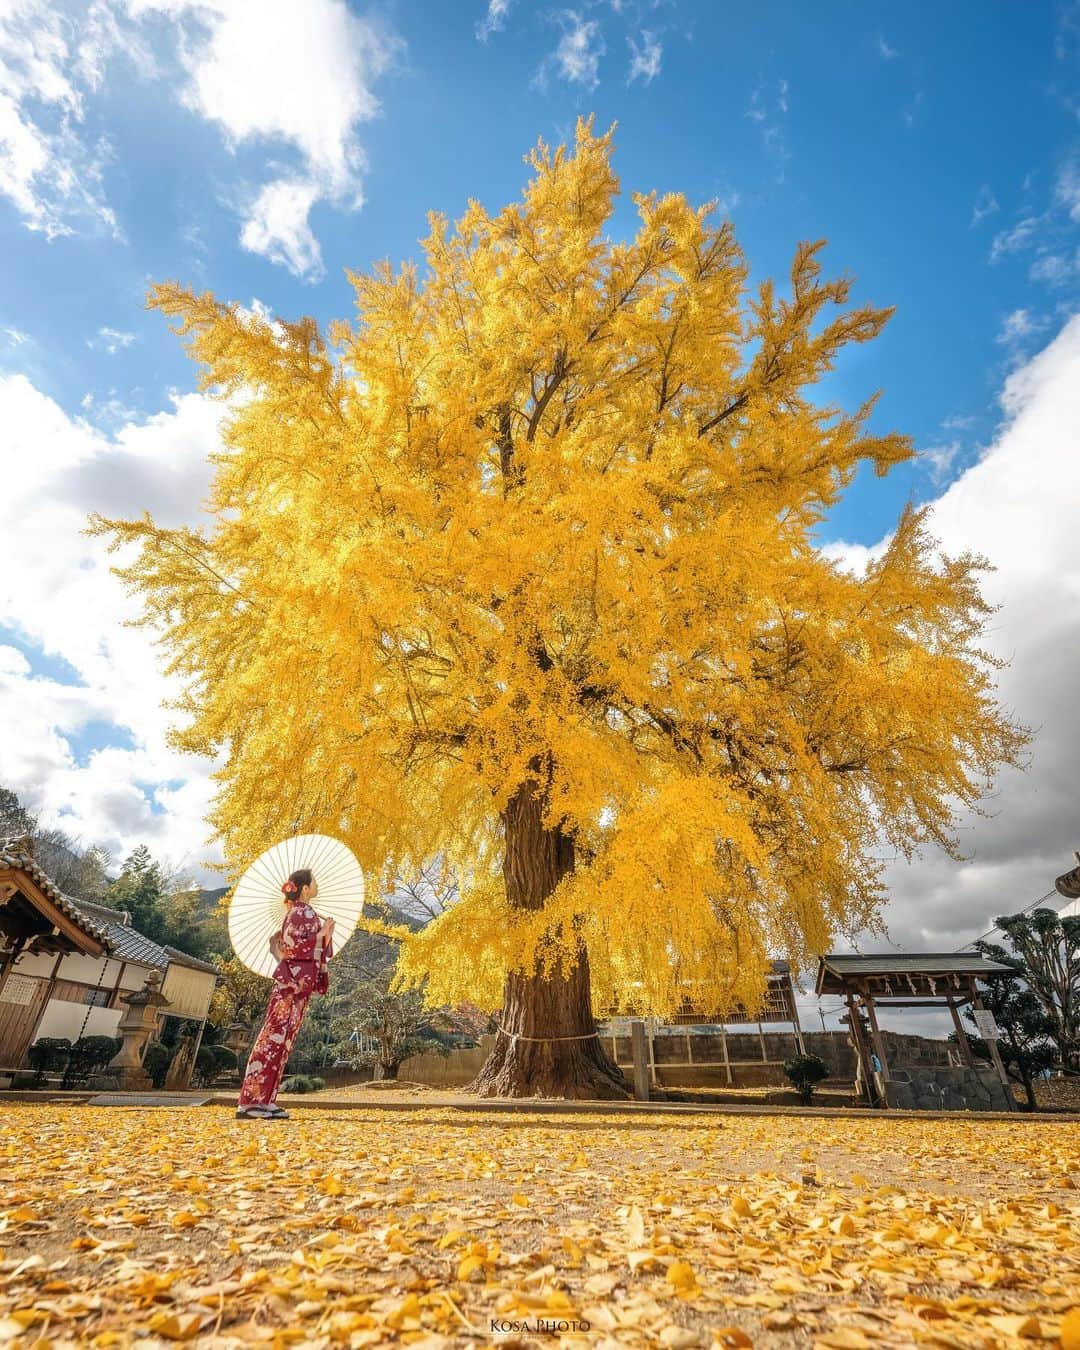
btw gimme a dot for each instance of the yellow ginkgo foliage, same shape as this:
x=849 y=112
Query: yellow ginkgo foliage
x=517 y=571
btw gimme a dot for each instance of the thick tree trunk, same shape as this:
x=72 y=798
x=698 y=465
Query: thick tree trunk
x=547 y=1044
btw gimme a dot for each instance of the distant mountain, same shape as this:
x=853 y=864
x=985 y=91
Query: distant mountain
x=208 y=901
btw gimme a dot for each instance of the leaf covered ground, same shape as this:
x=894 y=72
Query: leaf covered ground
x=371 y=1227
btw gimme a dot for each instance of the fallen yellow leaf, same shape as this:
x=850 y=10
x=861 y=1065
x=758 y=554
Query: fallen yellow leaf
x=1023 y=1328
x=176 y=1326
x=1070 y=1330
x=682 y=1278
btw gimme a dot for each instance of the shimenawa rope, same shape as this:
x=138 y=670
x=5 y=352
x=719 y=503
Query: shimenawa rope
x=516 y=1036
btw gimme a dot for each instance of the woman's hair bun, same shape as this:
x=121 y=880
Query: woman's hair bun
x=297 y=881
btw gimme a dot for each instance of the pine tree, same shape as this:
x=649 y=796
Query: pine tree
x=1024 y=1043
x=1046 y=956
x=139 y=890
x=15 y=820
x=518 y=572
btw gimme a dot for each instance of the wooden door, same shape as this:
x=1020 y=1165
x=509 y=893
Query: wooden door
x=22 y=1001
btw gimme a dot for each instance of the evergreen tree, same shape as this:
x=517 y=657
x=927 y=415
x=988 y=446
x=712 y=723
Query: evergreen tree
x=1025 y=1043
x=1045 y=953
x=15 y=820
x=139 y=890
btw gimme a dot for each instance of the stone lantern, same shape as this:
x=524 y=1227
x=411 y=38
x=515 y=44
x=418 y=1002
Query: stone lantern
x=135 y=1028
x=238 y=1037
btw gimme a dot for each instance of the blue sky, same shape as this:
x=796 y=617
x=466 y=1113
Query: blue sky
x=258 y=149
x=917 y=139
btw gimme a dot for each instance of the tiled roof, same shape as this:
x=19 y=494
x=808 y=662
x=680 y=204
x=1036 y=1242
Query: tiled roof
x=127 y=943
x=836 y=971
x=111 y=927
x=105 y=913
x=130 y=945
x=933 y=963
x=17 y=853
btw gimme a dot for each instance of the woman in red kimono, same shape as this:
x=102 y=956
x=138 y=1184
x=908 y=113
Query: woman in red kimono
x=303 y=947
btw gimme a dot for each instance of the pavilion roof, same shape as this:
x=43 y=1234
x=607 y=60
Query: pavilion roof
x=838 y=972
x=110 y=929
x=16 y=855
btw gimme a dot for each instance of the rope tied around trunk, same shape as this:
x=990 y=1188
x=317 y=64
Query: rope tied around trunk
x=516 y=1036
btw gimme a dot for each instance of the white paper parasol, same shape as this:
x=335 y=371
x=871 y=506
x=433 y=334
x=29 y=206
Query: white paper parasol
x=257 y=906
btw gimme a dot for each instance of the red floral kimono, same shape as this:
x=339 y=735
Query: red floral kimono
x=297 y=977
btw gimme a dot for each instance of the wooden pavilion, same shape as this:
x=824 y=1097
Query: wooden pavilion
x=36 y=919
x=35 y=916
x=67 y=966
x=929 y=980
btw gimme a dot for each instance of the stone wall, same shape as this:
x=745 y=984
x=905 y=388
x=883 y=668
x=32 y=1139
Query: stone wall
x=920 y=1067
x=949 y=1089
x=695 y=1059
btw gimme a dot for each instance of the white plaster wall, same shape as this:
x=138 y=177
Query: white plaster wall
x=37 y=964
x=134 y=975
x=85 y=970
x=66 y=1019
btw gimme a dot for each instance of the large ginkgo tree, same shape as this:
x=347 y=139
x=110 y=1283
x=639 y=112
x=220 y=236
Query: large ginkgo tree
x=518 y=571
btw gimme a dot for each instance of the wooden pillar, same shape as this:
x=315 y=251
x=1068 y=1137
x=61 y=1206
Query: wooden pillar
x=862 y=1053
x=995 y=1053
x=879 y=1047
x=640 y=1057
x=961 y=1035
x=114 y=997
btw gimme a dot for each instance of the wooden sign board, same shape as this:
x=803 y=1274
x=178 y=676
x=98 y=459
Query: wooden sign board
x=985 y=1025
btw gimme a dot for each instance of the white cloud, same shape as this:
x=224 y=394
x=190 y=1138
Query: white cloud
x=985 y=205
x=108 y=412
x=278 y=227
x=49 y=169
x=302 y=75
x=885 y=51
x=1017 y=506
x=576 y=58
x=494 y=20
x=1054 y=268
x=1021 y=236
x=1067 y=188
x=769 y=109
x=644 y=60
x=855 y=557
x=939 y=459
x=111 y=339
x=727 y=201
x=16 y=337
x=61 y=601
x=1017 y=327
x=299 y=77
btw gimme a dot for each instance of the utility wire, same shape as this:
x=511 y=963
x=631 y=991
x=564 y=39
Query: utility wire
x=996 y=929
